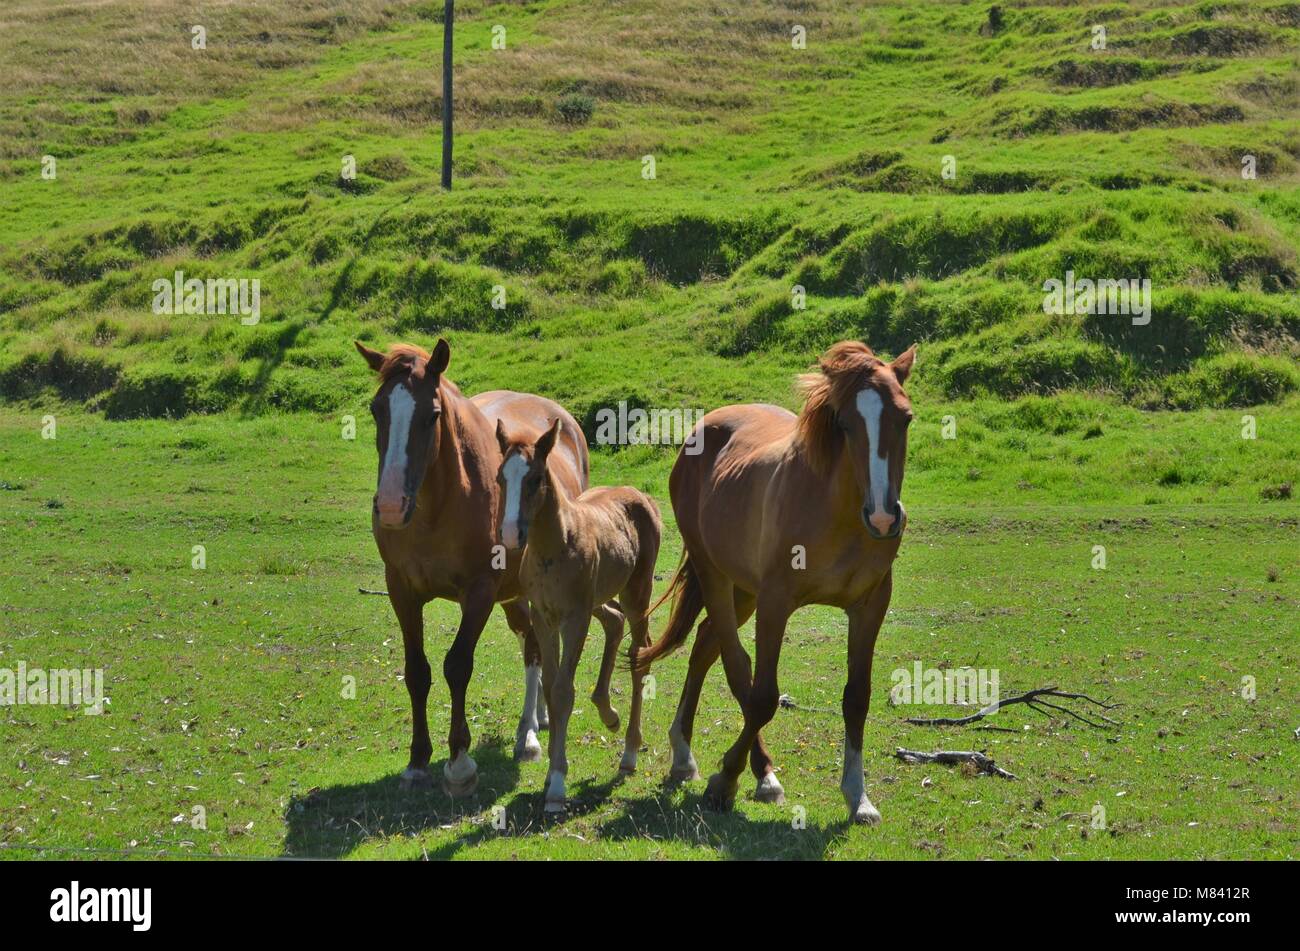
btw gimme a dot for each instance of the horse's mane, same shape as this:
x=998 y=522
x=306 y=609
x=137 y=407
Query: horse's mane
x=841 y=372
x=401 y=358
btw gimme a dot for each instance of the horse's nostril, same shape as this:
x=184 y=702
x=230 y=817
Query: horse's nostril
x=881 y=524
x=393 y=514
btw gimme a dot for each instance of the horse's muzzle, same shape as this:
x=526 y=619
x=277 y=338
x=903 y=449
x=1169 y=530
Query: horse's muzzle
x=885 y=524
x=514 y=537
x=394 y=515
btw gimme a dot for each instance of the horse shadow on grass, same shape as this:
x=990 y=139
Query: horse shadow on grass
x=659 y=818
x=333 y=822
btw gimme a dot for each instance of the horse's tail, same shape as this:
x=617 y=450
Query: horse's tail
x=688 y=602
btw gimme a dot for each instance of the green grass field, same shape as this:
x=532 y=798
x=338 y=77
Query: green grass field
x=775 y=167
x=226 y=683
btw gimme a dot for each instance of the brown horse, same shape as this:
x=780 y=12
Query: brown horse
x=579 y=552
x=778 y=512
x=435 y=519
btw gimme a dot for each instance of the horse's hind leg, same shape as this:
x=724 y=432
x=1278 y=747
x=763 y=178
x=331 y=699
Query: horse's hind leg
x=611 y=619
x=528 y=749
x=760 y=696
x=769 y=788
x=704 y=652
x=719 y=601
x=864 y=626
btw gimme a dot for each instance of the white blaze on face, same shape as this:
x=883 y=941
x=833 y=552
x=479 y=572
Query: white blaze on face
x=513 y=472
x=392 y=479
x=871 y=407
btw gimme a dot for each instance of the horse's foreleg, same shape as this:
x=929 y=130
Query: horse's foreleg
x=761 y=699
x=573 y=632
x=611 y=619
x=527 y=747
x=543 y=715
x=460 y=775
x=548 y=639
x=418 y=676
x=864 y=626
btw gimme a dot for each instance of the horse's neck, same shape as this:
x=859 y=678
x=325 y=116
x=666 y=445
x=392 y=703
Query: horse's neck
x=550 y=529
x=842 y=495
x=458 y=467
x=846 y=499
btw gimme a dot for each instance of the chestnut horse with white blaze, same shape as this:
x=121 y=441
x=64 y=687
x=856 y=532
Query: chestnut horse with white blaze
x=580 y=551
x=777 y=512
x=435 y=518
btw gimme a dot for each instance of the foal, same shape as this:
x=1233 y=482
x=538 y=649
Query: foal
x=579 y=552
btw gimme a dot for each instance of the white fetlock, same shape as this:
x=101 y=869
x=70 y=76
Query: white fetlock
x=684 y=768
x=628 y=763
x=770 y=790
x=555 y=797
x=853 y=785
x=460 y=776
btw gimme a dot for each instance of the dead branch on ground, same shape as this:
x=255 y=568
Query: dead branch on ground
x=1033 y=699
x=981 y=762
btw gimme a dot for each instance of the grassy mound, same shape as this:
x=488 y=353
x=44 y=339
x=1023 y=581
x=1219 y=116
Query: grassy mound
x=913 y=174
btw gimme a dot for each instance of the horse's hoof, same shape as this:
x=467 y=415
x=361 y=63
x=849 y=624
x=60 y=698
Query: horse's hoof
x=627 y=765
x=865 y=814
x=459 y=789
x=720 y=794
x=684 y=774
x=769 y=790
x=543 y=721
x=460 y=776
x=528 y=749
x=413 y=778
x=608 y=716
x=554 y=807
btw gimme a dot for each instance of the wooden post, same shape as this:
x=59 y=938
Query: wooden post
x=448 y=16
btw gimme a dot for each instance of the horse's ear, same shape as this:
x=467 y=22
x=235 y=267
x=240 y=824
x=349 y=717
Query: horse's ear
x=441 y=357
x=503 y=440
x=902 y=365
x=548 y=440
x=372 y=357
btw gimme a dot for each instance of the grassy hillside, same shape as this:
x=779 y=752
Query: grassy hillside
x=774 y=166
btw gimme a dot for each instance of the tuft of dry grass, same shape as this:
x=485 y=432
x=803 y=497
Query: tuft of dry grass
x=140 y=51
